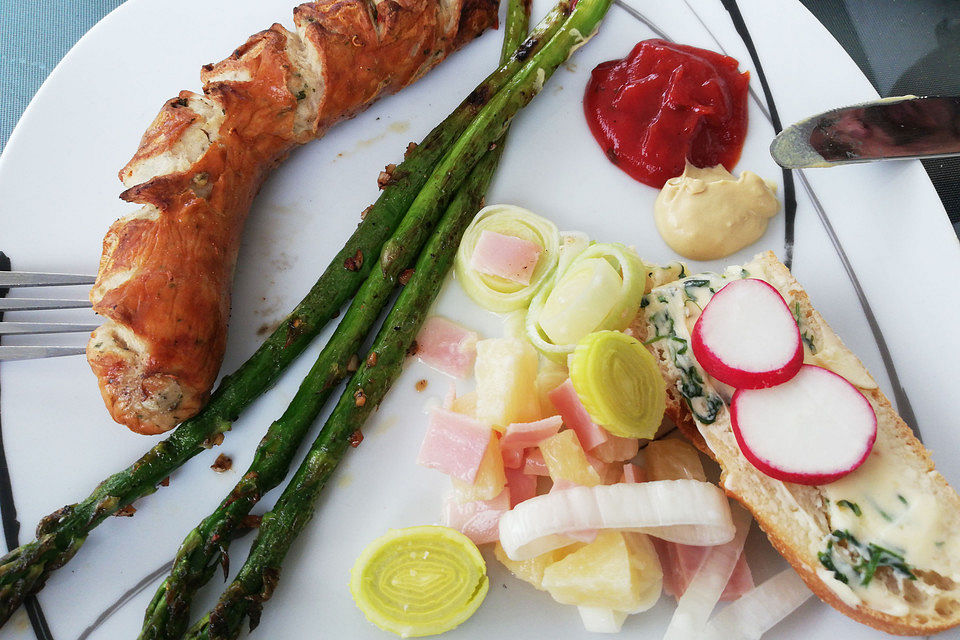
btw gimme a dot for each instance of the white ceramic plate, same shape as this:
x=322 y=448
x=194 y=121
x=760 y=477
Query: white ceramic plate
x=59 y=195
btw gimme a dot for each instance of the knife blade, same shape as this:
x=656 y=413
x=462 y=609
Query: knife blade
x=888 y=129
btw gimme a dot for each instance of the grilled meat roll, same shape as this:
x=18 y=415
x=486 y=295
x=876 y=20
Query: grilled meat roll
x=165 y=273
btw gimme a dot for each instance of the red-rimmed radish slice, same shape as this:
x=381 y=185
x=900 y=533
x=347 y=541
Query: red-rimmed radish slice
x=811 y=430
x=747 y=337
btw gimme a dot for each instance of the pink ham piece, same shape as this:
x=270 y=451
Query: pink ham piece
x=454 y=444
x=525 y=435
x=522 y=486
x=534 y=465
x=575 y=416
x=512 y=458
x=447 y=347
x=509 y=257
x=609 y=472
x=616 y=449
x=633 y=473
x=680 y=563
x=478 y=520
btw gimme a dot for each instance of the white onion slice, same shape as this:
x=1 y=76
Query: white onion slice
x=703 y=593
x=601 y=620
x=684 y=511
x=758 y=610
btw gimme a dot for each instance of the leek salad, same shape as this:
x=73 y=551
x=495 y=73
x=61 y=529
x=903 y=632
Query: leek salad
x=496 y=293
x=419 y=581
x=600 y=288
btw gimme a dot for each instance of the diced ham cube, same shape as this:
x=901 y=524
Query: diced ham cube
x=633 y=473
x=508 y=257
x=454 y=444
x=447 y=347
x=512 y=458
x=616 y=449
x=609 y=472
x=478 y=520
x=534 y=464
x=575 y=416
x=522 y=486
x=524 y=435
x=680 y=563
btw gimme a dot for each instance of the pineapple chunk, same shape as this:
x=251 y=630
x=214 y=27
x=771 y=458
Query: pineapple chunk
x=506 y=372
x=566 y=460
x=531 y=571
x=465 y=404
x=673 y=459
x=550 y=376
x=618 y=571
x=491 y=478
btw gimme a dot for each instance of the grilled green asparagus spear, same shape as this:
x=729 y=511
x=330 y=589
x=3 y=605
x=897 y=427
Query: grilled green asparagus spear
x=256 y=580
x=24 y=570
x=205 y=547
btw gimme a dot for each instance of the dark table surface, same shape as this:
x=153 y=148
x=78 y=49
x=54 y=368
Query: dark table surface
x=902 y=46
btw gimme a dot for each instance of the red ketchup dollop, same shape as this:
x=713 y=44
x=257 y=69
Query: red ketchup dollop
x=667 y=103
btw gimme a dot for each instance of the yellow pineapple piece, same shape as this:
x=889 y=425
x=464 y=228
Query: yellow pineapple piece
x=566 y=460
x=506 y=372
x=490 y=479
x=531 y=571
x=673 y=459
x=618 y=571
x=550 y=376
x=466 y=404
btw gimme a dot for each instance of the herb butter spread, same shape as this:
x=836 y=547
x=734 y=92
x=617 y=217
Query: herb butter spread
x=705 y=214
x=878 y=536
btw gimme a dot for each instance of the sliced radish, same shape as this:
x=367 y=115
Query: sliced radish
x=811 y=430
x=747 y=337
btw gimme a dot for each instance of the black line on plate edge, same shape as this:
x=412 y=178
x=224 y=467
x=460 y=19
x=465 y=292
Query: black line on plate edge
x=899 y=394
x=8 y=510
x=8 y=513
x=133 y=591
x=789 y=189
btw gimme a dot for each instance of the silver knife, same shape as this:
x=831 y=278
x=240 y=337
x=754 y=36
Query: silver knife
x=892 y=128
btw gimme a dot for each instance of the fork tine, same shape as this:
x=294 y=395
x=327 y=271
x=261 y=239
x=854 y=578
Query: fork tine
x=39 y=304
x=30 y=353
x=19 y=328
x=30 y=279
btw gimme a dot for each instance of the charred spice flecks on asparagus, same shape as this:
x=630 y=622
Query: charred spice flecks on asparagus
x=24 y=570
x=206 y=546
x=259 y=575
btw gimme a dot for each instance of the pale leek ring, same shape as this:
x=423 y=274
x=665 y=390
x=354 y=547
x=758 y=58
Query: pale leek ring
x=493 y=292
x=633 y=272
x=419 y=581
x=619 y=383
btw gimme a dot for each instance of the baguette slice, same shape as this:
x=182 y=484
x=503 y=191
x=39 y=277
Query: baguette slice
x=896 y=508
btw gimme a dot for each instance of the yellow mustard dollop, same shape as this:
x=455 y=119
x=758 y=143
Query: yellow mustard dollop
x=707 y=214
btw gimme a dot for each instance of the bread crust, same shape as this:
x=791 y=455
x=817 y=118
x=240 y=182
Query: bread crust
x=785 y=538
x=165 y=272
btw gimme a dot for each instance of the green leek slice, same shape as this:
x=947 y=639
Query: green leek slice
x=493 y=292
x=619 y=384
x=599 y=289
x=419 y=581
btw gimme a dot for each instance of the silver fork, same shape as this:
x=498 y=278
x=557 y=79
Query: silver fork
x=14 y=279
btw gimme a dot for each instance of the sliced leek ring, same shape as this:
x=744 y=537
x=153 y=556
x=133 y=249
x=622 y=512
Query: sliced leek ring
x=619 y=384
x=419 y=581
x=599 y=289
x=493 y=292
